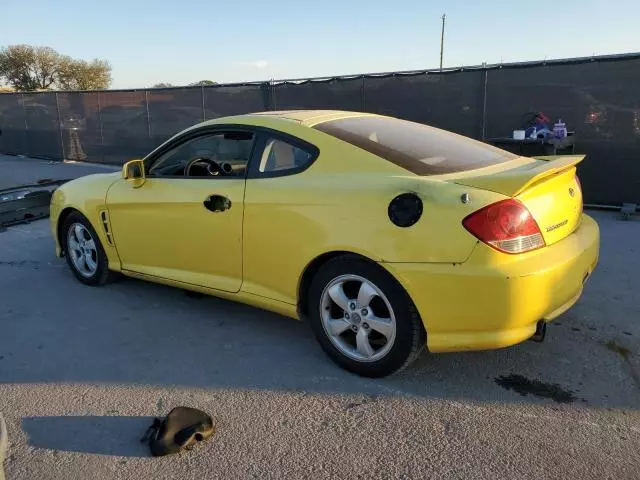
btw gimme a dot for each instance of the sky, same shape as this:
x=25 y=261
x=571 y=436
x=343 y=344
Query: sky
x=180 y=42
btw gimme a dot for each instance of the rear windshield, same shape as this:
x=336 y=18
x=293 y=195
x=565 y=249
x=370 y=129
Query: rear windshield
x=416 y=147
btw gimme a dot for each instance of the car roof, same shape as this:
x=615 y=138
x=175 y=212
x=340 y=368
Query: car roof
x=313 y=117
x=308 y=118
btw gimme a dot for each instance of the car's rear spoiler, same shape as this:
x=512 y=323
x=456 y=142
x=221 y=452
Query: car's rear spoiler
x=513 y=181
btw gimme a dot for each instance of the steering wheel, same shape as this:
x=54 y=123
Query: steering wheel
x=209 y=166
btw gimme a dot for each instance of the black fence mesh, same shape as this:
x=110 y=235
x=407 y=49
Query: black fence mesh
x=125 y=131
x=599 y=100
x=223 y=101
x=328 y=95
x=172 y=110
x=43 y=134
x=452 y=101
x=80 y=126
x=13 y=125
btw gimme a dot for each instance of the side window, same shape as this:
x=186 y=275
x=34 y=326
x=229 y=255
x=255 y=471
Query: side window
x=220 y=154
x=280 y=156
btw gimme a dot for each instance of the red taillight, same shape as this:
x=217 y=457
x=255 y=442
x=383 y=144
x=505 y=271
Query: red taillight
x=506 y=226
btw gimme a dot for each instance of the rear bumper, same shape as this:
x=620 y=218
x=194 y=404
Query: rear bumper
x=494 y=300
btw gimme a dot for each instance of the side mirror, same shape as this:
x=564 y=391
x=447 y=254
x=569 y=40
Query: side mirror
x=133 y=172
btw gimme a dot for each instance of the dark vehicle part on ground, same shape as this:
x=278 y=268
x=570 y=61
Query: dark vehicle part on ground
x=181 y=429
x=27 y=202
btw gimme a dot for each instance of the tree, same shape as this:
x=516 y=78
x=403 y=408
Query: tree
x=28 y=68
x=162 y=85
x=203 y=83
x=83 y=75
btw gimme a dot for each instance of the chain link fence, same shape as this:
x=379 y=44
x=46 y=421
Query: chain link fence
x=597 y=97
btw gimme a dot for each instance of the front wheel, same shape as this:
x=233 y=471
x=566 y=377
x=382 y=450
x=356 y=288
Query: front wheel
x=83 y=251
x=363 y=319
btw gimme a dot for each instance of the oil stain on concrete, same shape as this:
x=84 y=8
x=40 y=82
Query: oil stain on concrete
x=525 y=386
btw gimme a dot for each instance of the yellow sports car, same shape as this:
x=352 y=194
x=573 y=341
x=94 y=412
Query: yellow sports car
x=385 y=234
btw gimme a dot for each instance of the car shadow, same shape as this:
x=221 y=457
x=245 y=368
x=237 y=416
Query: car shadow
x=55 y=330
x=101 y=435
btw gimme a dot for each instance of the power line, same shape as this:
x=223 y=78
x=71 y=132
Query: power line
x=442 y=41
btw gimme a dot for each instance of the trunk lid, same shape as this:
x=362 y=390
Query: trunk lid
x=547 y=186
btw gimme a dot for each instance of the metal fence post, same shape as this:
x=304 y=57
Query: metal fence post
x=100 y=124
x=146 y=101
x=60 y=126
x=26 y=126
x=272 y=87
x=265 y=90
x=485 y=80
x=204 y=111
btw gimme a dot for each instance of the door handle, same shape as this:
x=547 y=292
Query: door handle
x=217 y=203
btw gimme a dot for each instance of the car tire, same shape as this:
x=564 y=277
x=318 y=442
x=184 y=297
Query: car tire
x=83 y=251
x=384 y=317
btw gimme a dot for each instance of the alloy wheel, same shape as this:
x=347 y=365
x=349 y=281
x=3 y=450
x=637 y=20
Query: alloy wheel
x=82 y=248
x=358 y=318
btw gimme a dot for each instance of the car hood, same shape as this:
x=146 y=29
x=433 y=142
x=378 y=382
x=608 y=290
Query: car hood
x=88 y=188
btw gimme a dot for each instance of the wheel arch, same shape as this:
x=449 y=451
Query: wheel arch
x=411 y=332
x=309 y=272
x=62 y=216
x=314 y=265
x=105 y=241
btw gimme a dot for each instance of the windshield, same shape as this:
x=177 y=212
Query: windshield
x=418 y=148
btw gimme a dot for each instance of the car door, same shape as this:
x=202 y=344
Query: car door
x=280 y=208
x=186 y=226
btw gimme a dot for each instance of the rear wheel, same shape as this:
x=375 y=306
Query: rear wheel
x=363 y=319
x=83 y=251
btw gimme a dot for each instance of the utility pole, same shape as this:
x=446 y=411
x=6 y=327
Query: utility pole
x=442 y=41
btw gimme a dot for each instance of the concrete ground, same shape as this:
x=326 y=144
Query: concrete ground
x=83 y=371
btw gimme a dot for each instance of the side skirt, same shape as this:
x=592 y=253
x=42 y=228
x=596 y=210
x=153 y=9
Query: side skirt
x=276 y=306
